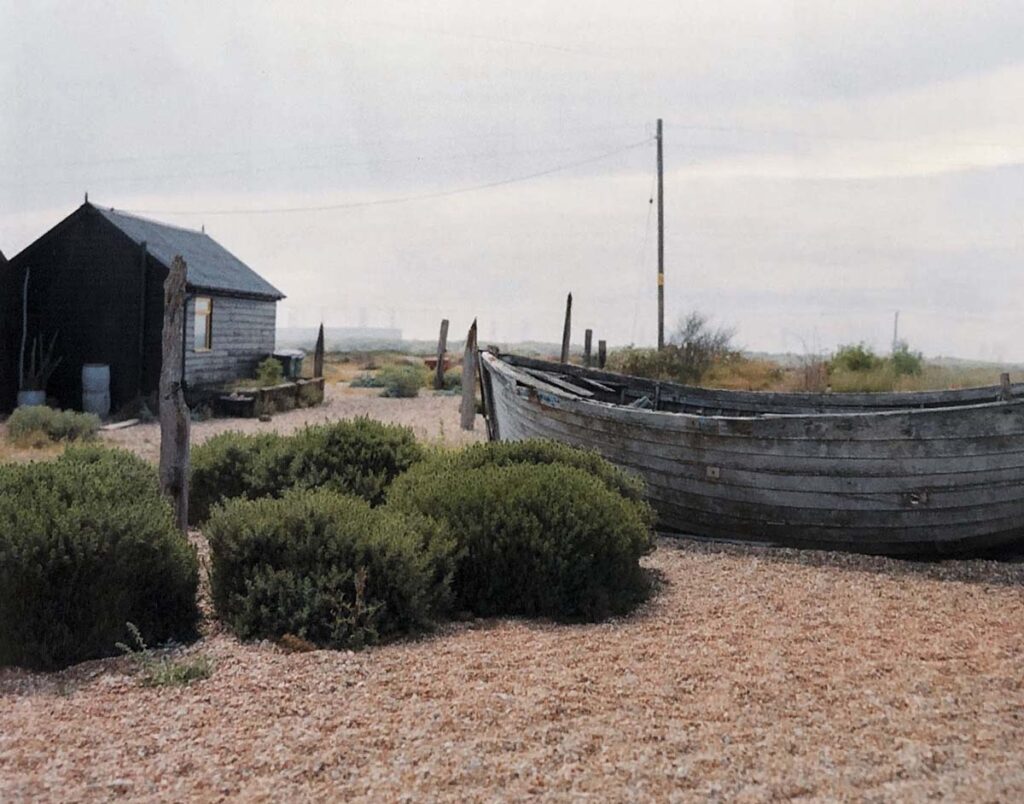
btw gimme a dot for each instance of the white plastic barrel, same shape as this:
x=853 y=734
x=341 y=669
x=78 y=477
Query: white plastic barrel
x=96 y=389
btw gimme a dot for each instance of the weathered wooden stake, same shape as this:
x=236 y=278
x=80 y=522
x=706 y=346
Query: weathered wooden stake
x=174 y=414
x=588 y=336
x=1005 y=393
x=318 y=354
x=602 y=353
x=468 y=407
x=567 y=329
x=442 y=346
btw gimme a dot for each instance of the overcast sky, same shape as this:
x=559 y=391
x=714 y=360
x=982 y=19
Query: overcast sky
x=827 y=163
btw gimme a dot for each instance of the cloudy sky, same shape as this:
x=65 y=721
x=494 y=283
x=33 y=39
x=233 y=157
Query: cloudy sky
x=827 y=163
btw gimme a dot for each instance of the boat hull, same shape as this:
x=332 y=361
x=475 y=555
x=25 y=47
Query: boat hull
x=913 y=481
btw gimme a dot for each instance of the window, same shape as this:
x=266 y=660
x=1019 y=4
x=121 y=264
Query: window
x=204 y=324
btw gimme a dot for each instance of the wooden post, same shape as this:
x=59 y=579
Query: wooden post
x=318 y=354
x=602 y=353
x=1005 y=393
x=468 y=407
x=567 y=329
x=442 y=346
x=174 y=414
x=588 y=337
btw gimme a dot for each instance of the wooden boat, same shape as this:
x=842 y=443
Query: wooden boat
x=920 y=473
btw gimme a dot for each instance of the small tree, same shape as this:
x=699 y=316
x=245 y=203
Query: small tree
x=855 y=357
x=696 y=346
x=904 y=361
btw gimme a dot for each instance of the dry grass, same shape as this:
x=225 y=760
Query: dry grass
x=754 y=675
x=765 y=375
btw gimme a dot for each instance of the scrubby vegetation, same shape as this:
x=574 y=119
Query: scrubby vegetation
x=325 y=568
x=39 y=424
x=533 y=539
x=269 y=372
x=693 y=349
x=359 y=456
x=87 y=544
x=402 y=381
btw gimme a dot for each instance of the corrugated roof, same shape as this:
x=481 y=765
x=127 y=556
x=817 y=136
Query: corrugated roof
x=210 y=265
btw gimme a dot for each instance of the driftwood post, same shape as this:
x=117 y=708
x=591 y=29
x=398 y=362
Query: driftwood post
x=567 y=329
x=468 y=407
x=318 y=354
x=174 y=415
x=442 y=346
x=588 y=338
x=602 y=353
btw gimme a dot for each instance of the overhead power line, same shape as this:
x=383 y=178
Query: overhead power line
x=397 y=199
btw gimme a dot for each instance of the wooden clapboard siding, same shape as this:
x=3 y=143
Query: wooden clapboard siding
x=242 y=336
x=895 y=480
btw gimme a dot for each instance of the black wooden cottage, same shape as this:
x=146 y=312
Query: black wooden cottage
x=95 y=280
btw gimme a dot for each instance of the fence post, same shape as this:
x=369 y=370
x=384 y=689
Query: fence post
x=442 y=346
x=588 y=336
x=602 y=353
x=318 y=354
x=469 y=358
x=174 y=413
x=567 y=329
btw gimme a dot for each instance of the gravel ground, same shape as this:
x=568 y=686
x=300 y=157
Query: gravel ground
x=754 y=674
x=432 y=417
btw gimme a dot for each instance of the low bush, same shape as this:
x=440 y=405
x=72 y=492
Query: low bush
x=905 y=362
x=57 y=425
x=453 y=379
x=87 y=544
x=225 y=467
x=541 y=451
x=325 y=568
x=402 y=381
x=269 y=372
x=533 y=538
x=855 y=357
x=367 y=380
x=358 y=456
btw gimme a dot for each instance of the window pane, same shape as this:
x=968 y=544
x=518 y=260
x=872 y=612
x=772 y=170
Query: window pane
x=203 y=319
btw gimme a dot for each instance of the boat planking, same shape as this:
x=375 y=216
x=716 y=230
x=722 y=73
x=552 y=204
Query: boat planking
x=925 y=473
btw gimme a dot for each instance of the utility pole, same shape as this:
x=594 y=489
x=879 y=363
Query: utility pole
x=895 y=331
x=661 y=244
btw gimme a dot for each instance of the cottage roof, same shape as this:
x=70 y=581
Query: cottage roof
x=210 y=265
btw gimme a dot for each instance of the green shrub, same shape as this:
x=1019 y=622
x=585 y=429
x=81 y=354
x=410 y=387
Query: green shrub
x=358 y=456
x=325 y=568
x=87 y=544
x=224 y=467
x=534 y=539
x=58 y=425
x=269 y=372
x=905 y=362
x=453 y=379
x=402 y=381
x=367 y=380
x=855 y=357
x=541 y=451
